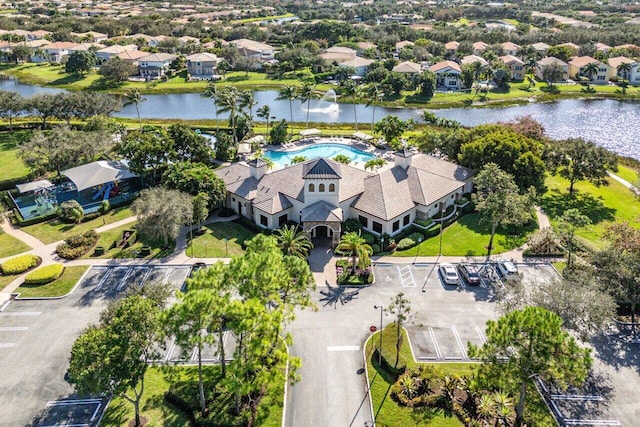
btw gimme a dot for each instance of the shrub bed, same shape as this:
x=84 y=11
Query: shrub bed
x=78 y=245
x=410 y=241
x=44 y=275
x=20 y=264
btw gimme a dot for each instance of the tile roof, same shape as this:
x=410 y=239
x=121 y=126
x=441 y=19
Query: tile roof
x=510 y=59
x=407 y=67
x=581 y=61
x=540 y=46
x=616 y=61
x=551 y=60
x=321 y=169
x=258 y=163
x=202 y=57
x=441 y=167
x=158 y=57
x=322 y=212
x=275 y=204
x=404 y=152
x=427 y=188
x=442 y=65
x=385 y=195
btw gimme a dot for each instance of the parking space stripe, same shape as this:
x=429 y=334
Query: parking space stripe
x=460 y=344
x=95 y=413
x=104 y=279
x=12 y=328
x=146 y=275
x=67 y=425
x=166 y=276
x=21 y=313
x=5 y=305
x=124 y=279
x=6 y=344
x=573 y=422
x=481 y=335
x=73 y=402
x=576 y=397
x=170 y=350
x=435 y=343
x=343 y=348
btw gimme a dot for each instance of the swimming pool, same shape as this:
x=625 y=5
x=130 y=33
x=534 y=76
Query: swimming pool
x=328 y=150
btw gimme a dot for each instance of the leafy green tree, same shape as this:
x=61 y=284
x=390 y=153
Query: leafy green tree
x=44 y=106
x=162 y=212
x=71 y=211
x=278 y=134
x=189 y=145
x=578 y=160
x=392 y=128
x=553 y=73
x=111 y=357
x=200 y=208
x=148 y=151
x=189 y=321
x=354 y=244
x=563 y=53
x=427 y=84
x=293 y=241
x=134 y=96
x=80 y=62
x=117 y=70
x=498 y=200
x=400 y=309
x=527 y=343
x=11 y=105
x=570 y=221
x=21 y=53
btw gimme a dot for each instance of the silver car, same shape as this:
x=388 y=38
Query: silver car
x=448 y=273
x=506 y=268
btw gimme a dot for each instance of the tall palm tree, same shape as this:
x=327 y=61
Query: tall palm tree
x=352 y=90
x=288 y=92
x=264 y=112
x=212 y=91
x=375 y=95
x=590 y=69
x=134 y=97
x=228 y=102
x=293 y=241
x=306 y=93
x=358 y=249
x=246 y=99
x=624 y=68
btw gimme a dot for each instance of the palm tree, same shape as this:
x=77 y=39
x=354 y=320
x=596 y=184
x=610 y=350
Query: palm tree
x=306 y=93
x=212 y=91
x=288 y=92
x=590 y=69
x=375 y=163
x=246 y=99
x=293 y=241
x=264 y=112
x=134 y=97
x=357 y=247
x=352 y=90
x=228 y=102
x=375 y=94
x=624 y=68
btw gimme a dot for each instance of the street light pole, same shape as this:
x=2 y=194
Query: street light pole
x=379 y=307
x=417 y=250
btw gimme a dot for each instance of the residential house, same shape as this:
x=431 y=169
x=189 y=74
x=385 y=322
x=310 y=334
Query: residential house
x=541 y=48
x=570 y=45
x=408 y=68
x=510 y=49
x=578 y=64
x=260 y=51
x=338 y=54
x=448 y=75
x=362 y=46
x=84 y=47
x=184 y=40
x=108 y=52
x=132 y=56
x=155 y=65
x=451 y=48
x=628 y=46
x=54 y=53
x=480 y=47
x=601 y=47
x=470 y=59
x=361 y=65
x=202 y=65
x=320 y=194
x=632 y=75
x=548 y=61
x=91 y=36
x=516 y=66
x=402 y=44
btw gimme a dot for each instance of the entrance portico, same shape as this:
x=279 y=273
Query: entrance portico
x=322 y=219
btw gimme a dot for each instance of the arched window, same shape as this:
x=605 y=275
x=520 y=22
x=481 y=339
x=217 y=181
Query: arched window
x=321 y=188
x=332 y=188
x=312 y=188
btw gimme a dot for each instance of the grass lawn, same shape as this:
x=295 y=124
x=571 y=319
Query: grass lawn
x=5 y=280
x=107 y=238
x=469 y=237
x=389 y=413
x=58 y=287
x=12 y=166
x=603 y=205
x=212 y=243
x=52 y=231
x=9 y=246
x=628 y=174
x=159 y=413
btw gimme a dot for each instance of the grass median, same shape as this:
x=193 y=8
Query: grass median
x=59 y=287
x=220 y=240
x=10 y=246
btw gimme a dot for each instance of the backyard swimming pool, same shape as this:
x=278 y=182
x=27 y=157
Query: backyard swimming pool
x=327 y=150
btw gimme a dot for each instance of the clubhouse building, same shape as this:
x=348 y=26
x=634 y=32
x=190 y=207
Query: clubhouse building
x=320 y=194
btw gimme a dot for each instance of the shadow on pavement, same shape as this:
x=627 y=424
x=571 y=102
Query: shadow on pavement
x=338 y=294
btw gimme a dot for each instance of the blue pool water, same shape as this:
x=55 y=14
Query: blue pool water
x=327 y=150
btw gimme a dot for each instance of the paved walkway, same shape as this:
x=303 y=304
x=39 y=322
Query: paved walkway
x=624 y=182
x=27 y=238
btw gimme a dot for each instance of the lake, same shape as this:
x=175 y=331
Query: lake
x=609 y=123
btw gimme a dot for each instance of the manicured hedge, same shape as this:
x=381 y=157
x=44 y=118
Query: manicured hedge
x=78 y=245
x=410 y=241
x=20 y=264
x=44 y=275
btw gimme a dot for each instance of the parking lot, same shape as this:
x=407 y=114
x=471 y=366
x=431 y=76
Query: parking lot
x=36 y=338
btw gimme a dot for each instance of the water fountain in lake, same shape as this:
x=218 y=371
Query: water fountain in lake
x=327 y=104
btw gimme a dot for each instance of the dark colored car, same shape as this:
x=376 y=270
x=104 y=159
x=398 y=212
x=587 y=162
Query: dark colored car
x=470 y=273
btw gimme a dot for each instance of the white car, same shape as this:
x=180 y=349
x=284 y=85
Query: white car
x=448 y=273
x=506 y=268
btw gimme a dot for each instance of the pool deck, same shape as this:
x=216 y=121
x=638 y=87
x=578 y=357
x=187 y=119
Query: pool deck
x=347 y=141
